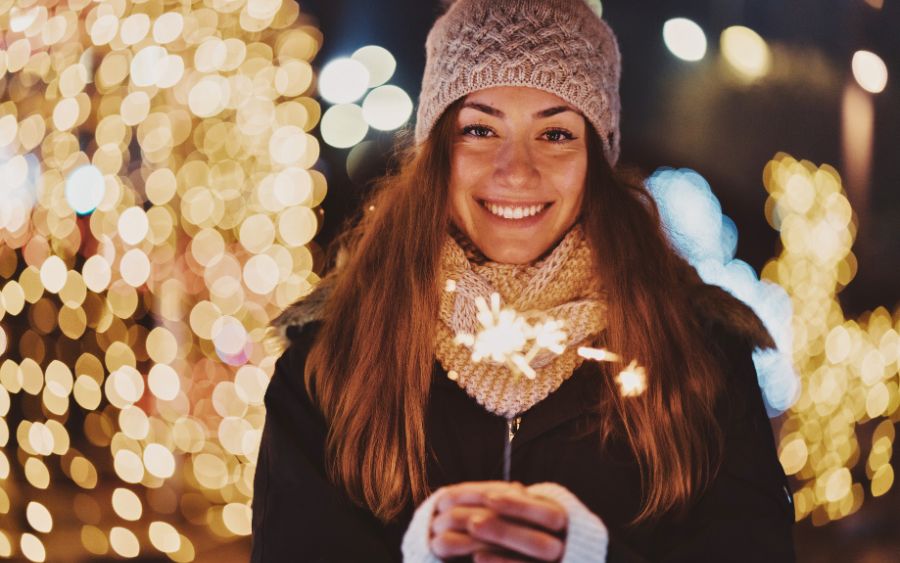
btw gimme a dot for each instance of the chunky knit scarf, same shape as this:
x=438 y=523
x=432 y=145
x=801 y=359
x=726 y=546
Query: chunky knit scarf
x=560 y=286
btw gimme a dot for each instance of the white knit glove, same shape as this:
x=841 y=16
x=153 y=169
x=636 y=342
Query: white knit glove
x=586 y=536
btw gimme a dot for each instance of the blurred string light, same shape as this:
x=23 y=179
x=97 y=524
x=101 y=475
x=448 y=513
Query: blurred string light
x=685 y=39
x=869 y=71
x=849 y=368
x=693 y=219
x=379 y=63
x=344 y=126
x=85 y=188
x=746 y=52
x=156 y=210
x=877 y=4
x=19 y=191
x=343 y=81
x=346 y=80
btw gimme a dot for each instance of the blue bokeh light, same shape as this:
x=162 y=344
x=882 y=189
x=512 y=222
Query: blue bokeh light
x=693 y=219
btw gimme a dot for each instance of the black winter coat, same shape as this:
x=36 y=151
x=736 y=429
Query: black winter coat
x=745 y=515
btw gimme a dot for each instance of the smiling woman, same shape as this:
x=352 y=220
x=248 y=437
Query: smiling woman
x=408 y=419
x=518 y=171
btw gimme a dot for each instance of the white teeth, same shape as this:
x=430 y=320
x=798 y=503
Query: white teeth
x=508 y=212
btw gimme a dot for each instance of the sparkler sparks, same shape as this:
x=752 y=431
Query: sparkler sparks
x=632 y=380
x=506 y=337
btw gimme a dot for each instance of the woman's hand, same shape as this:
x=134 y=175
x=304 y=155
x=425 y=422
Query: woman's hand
x=497 y=521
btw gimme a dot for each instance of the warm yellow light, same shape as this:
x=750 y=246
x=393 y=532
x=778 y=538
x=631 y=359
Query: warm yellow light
x=126 y=504
x=261 y=274
x=793 y=455
x=237 y=518
x=380 y=63
x=87 y=392
x=32 y=548
x=870 y=71
x=124 y=542
x=344 y=125
x=163 y=382
x=159 y=461
x=128 y=466
x=168 y=27
x=837 y=485
x=882 y=480
x=134 y=28
x=134 y=422
x=387 y=108
x=746 y=52
x=53 y=274
x=39 y=517
x=164 y=537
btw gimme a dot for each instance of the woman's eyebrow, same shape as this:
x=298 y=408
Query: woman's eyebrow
x=484 y=109
x=497 y=113
x=553 y=111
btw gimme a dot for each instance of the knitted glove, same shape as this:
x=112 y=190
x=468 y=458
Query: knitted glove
x=586 y=536
x=415 y=541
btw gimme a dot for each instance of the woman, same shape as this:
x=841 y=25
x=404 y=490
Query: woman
x=383 y=435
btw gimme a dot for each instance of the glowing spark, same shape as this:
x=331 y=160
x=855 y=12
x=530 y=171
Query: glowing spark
x=598 y=354
x=505 y=333
x=550 y=335
x=508 y=338
x=632 y=380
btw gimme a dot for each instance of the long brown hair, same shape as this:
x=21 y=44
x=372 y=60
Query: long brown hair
x=369 y=370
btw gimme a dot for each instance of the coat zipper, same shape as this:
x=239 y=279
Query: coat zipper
x=512 y=427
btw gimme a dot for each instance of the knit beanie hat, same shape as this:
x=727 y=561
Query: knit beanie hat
x=559 y=46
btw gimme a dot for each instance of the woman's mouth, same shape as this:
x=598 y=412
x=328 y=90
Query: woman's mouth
x=515 y=211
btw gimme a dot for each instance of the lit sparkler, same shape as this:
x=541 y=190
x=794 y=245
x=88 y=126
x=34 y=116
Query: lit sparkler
x=506 y=337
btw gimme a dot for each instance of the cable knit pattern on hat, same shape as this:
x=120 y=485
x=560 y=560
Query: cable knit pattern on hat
x=561 y=286
x=560 y=46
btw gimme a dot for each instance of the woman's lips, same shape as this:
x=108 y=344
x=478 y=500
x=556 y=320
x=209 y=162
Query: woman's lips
x=519 y=213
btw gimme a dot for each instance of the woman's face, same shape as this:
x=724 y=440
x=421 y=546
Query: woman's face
x=519 y=162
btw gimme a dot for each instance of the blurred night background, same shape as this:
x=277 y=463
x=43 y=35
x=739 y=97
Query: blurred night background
x=171 y=173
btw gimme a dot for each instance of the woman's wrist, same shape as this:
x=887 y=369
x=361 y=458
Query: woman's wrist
x=586 y=538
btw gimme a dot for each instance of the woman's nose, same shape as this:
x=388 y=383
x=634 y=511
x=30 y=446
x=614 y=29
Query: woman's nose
x=514 y=165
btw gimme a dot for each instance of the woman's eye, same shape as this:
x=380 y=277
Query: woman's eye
x=559 y=135
x=476 y=130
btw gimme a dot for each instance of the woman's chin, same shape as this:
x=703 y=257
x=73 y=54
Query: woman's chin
x=512 y=252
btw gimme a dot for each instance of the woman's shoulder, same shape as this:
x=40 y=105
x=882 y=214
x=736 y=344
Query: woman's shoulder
x=740 y=394
x=288 y=381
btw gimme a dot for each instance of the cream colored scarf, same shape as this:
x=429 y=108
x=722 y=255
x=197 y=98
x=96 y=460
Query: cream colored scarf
x=560 y=286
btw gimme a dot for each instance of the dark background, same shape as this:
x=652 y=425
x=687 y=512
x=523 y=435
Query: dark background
x=681 y=114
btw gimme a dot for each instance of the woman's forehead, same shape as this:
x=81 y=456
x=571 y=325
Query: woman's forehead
x=502 y=100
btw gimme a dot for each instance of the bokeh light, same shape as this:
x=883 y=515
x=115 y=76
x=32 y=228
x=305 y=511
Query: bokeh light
x=693 y=219
x=344 y=125
x=343 y=81
x=869 y=71
x=85 y=188
x=379 y=62
x=685 y=39
x=387 y=108
x=159 y=205
x=746 y=52
x=848 y=367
